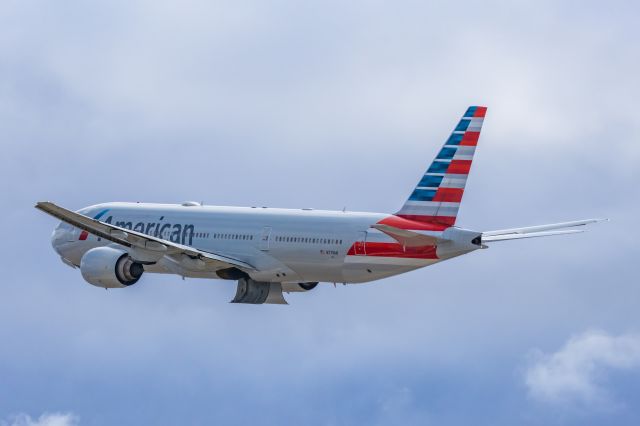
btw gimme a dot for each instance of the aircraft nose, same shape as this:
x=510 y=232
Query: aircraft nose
x=54 y=240
x=57 y=238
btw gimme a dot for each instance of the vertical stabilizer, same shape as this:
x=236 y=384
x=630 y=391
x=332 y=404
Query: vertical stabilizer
x=437 y=197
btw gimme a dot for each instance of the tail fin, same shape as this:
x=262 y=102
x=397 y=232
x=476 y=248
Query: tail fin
x=437 y=196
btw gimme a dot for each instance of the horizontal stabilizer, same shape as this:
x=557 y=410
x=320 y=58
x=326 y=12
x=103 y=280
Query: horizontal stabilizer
x=488 y=239
x=409 y=238
x=537 y=231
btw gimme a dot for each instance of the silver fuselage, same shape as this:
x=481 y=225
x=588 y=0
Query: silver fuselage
x=284 y=245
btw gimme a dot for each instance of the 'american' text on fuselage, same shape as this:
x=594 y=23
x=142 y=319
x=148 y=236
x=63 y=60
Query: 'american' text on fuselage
x=178 y=233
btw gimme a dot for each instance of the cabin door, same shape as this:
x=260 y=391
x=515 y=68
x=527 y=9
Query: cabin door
x=265 y=237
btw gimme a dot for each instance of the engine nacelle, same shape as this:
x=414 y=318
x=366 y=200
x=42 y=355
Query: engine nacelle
x=294 y=287
x=109 y=267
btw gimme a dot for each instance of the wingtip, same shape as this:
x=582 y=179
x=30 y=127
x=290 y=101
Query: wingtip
x=596 y=220
x=41 y=204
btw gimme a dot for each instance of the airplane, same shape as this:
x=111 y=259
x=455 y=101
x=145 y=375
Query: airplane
x=269 y=251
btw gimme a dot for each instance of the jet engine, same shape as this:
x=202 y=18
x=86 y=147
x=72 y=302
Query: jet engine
x=110 y=268
x=295 y=287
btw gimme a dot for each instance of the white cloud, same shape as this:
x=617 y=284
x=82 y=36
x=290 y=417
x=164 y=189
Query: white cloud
x=578 y=371
x=46 y=419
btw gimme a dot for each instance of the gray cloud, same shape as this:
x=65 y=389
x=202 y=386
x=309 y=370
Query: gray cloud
x=321 y=104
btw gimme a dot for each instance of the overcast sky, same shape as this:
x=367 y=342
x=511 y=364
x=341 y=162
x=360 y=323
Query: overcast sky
x=325 y=104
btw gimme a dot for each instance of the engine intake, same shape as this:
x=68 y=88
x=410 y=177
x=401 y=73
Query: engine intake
x=109 y=267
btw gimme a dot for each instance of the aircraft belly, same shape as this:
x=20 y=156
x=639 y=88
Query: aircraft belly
x=356 y=269
x=312 y=268
x=360 y=269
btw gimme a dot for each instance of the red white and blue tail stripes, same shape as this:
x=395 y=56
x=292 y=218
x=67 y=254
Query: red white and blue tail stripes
x=437 y=197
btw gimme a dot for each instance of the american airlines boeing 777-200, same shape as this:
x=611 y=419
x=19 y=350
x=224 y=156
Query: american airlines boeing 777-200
x=269 y=251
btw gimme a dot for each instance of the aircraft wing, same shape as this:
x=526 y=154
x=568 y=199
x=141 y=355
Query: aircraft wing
x=138 y=240
x=537 y=231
